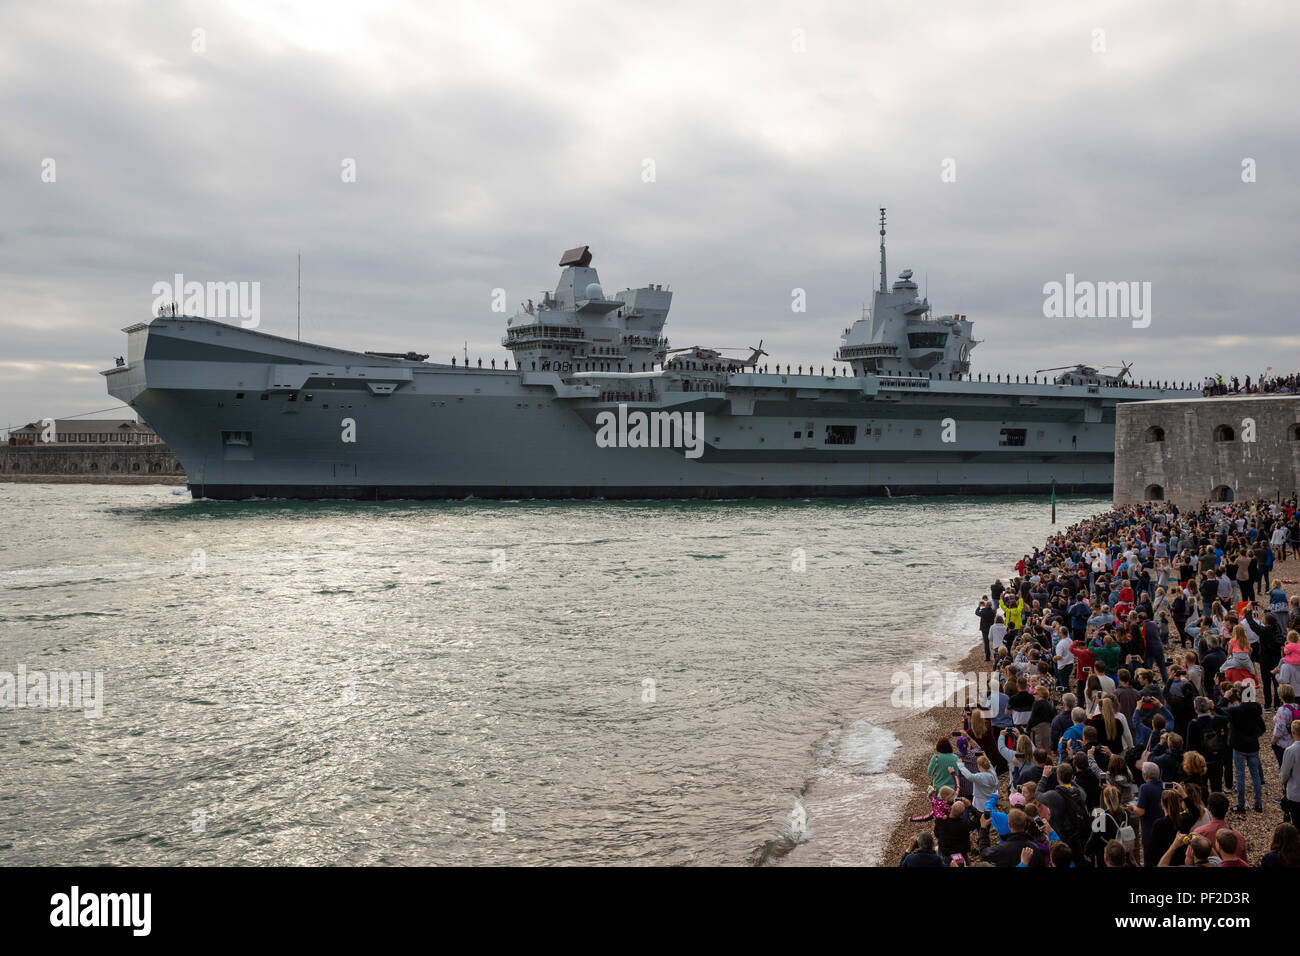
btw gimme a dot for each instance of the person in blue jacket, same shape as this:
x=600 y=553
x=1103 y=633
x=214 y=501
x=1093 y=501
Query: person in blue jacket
x=998 y=819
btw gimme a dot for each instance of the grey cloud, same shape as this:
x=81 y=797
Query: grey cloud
x=488 y=139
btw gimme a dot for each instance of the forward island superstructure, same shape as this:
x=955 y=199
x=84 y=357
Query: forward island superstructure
x=596 y=404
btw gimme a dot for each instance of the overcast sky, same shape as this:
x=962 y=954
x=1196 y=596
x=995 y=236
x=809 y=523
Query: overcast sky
x=1105 y=140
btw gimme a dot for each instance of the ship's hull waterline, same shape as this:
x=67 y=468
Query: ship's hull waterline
x=251 y=415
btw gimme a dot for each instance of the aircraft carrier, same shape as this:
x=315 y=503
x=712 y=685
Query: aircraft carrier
x=594 y=404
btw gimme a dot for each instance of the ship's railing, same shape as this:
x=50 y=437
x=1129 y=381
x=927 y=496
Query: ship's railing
x=989 y=378
x=542 y=333
x=864 y=351
x=892 y=382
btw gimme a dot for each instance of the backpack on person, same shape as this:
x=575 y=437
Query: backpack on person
x=1123 y=831
x=1213 y=742
x=1077 y=820
x=1295 y=714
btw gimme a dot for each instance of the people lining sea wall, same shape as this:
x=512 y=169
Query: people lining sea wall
x=1265 y=384
x=1222 y=449
x=1144 y=667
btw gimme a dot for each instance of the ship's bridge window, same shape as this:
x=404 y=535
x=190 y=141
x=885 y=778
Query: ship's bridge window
x=841 y=434
x=927 y=340
x=1012 y=436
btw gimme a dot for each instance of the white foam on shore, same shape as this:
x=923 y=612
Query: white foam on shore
x=853 y=799
x=861 y=748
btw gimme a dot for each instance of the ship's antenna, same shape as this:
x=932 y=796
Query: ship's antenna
x=299 y=295
x=883 y=271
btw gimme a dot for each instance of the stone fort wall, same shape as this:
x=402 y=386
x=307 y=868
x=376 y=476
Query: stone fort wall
x=1197 y=449
x=94 y=461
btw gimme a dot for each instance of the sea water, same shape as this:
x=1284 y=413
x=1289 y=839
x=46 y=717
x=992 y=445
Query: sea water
x=523 y=682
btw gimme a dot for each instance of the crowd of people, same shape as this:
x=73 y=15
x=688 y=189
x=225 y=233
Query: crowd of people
x=1146 y=663
x=1265 y=385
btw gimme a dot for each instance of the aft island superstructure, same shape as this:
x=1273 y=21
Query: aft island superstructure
x=596 y=404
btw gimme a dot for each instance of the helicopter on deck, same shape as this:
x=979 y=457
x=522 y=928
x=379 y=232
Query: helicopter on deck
x=714 y=359
x=1087 y=375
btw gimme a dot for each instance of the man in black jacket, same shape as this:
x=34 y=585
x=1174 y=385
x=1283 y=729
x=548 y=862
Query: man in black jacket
x=953 y=832
x=1245 y=724
x=1168 y=756
x=1207 y=734
x=1068 y=805
x=1062 y=721
x=1085 y=779
x=922 y=853
x=1007 y=852
x=1209 y=591
x=1212 y=658
x=987 y=615
x=1271 y=642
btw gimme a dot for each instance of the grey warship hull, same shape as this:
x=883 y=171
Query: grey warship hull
x=596 y=408
x=252 y=415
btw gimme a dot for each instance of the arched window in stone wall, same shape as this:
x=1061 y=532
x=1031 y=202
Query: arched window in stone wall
x=1155 y=493
x=1155 y=433
x=1222 y=493
x=1224 y=433
x=1293 y=433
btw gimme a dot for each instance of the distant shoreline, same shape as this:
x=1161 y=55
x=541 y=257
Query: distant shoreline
x=27 y=479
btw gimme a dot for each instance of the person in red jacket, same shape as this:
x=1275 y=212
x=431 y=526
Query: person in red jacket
x=1083 y=661
x=1125 y=602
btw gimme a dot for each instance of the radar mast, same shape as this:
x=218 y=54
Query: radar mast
x=884 y=273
